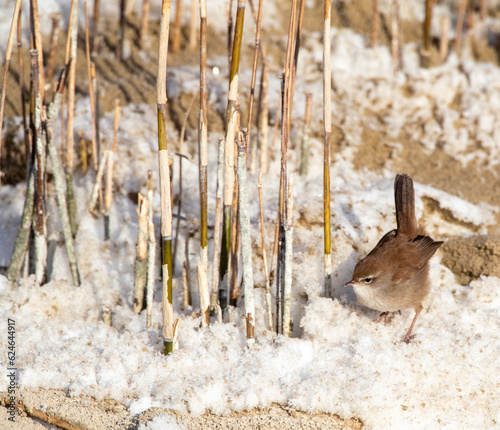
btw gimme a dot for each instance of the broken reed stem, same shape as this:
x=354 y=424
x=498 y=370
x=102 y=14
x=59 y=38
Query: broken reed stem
x=192 y=26
x=108 y=194
x=287 y=291
x=91 y=92
x=246 y=241
x=306 y=131
x=444 y=41
x=70 y=137
x=203 y=175
x=396 y=34
x=427 y=25
x=144 y=30
x=231 y=117
x=264 y=257
x=234 y=290
x=150 y=285
x=141 y=258
x=94 y=31
x=10 y=43
x=59 y=179
x=286 y=108
x=218 y=210
x=40 y=232
x=460 y=24
x=98 y=181
x=176 y=31
x=254 y=74
x=165 y=200
x=375 y=23
x=54 y=41
x=327 y=123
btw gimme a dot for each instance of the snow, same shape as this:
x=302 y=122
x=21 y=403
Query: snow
x=339 y=360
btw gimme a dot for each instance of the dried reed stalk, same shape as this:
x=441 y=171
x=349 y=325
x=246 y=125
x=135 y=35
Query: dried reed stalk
x=165 y=199
x=95 y=161
x=70 y=137
x=83 y=150
x=176 y=31
x=150 y=286
x=246 y=241
x=306 y=131
x=327 y=124
x=482 y=10
x=8 y=54
x=218 y=210
x=375 y=23
x=203 y=174
x=98 y=181
x=254 y=74
x=287 y=290
x=286 y=108
x=36 y=37
x=54 y=41
x=141 y=257
x=40 y=231
x=108 y=194
x=264 y=257
x=231 y=116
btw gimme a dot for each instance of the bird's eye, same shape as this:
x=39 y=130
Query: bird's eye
x=367 y=280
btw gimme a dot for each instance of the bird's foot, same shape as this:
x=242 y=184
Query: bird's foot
x=408 y=337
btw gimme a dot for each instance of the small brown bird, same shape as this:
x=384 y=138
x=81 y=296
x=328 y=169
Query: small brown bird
x=395 y=274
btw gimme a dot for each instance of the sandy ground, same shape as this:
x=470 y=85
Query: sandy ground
x=42 y=409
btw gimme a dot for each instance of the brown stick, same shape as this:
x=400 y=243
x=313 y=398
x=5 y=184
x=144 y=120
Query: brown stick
x=395 y=43
x=193 y=26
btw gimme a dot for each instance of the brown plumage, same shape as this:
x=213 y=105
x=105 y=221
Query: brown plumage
x=395 y=274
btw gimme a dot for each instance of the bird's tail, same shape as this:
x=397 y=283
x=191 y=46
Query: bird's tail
x=404 y=197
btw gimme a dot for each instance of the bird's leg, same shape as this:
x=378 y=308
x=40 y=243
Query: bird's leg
x=408 y=335
x=382 y=317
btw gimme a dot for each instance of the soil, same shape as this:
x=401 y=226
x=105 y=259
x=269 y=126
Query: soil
x=134 y=81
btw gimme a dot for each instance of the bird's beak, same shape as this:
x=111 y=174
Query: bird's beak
x=351 y=283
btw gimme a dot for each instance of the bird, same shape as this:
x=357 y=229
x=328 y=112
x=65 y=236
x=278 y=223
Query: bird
x=395 y=274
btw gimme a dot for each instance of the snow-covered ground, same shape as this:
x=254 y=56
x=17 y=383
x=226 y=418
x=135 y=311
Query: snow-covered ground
x=339 y=360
